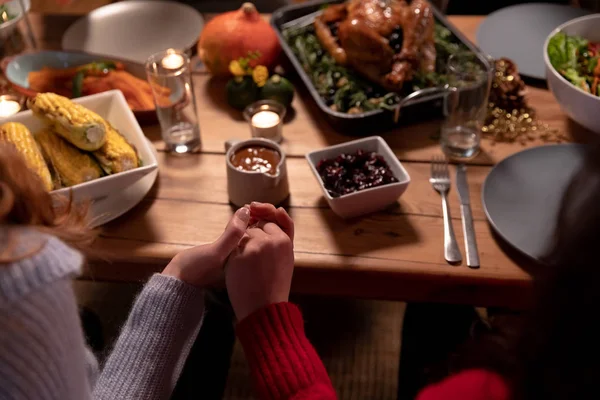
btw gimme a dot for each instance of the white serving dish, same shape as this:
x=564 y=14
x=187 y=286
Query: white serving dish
x=112 y=107
x=368 y=200
x=582 y=107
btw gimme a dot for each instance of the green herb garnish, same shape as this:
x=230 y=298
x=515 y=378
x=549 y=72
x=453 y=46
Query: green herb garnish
x=78 y=84
x=87 y=69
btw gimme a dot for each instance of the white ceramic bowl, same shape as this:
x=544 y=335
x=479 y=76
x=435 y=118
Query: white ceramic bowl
x=112 y=107
x=582 y=107
x=368 y=200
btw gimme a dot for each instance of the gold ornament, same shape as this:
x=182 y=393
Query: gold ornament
x=509 y=118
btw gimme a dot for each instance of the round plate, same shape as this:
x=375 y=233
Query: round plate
x=519 y=32
x=114 y=205
x=134 y=30
x=522 y=194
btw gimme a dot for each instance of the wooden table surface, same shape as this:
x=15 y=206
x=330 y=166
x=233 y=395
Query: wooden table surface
x=396 y=254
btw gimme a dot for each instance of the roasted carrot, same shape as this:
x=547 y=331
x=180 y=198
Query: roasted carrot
x=99 y=77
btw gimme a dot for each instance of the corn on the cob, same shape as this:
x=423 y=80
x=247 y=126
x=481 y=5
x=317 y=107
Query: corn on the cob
x=78 y=125
x=71 y=164
x=18 y=134
x=116 y=155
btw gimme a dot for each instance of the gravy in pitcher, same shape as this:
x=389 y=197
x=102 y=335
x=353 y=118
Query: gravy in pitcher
x=256 y=158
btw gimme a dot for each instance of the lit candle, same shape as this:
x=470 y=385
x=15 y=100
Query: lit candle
x=267 y=124
x=172 y=61
x=8 y=107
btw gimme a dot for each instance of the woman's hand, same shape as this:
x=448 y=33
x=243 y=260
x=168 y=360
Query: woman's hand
x=203 y=265
x=259 y=272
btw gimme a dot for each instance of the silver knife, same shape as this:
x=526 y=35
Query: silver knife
x=467 y=217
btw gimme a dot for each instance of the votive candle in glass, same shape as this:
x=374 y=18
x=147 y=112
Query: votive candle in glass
x=9 y=105
x=266 y=119
x=171 y=82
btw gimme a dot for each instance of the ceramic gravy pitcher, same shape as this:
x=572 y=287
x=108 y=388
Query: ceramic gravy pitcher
x=245 y=187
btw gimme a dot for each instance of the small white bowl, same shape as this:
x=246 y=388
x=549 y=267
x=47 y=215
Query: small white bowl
x=582 y=107
x=113 y=107
x=368 y=200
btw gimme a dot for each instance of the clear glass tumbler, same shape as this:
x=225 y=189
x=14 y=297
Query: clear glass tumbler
x=171 y=81
x=469 y=80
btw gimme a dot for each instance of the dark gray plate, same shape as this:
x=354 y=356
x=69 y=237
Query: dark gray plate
x=134 y=30
x=519 y=32
x=522 y=194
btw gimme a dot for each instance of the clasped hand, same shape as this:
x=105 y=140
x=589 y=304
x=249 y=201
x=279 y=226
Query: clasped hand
x=256 y=253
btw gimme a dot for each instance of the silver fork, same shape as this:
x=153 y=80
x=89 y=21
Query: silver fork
x=440 y=180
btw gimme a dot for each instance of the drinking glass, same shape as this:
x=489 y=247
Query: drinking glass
x=171 y=82
x=469 y=81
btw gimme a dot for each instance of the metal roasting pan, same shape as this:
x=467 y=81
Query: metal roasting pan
x=415 y=110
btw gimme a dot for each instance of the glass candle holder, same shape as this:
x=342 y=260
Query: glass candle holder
x=169 y=76
x=266 y=119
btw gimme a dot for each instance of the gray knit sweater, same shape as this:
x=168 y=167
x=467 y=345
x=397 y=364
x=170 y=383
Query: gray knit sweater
x=42 y=350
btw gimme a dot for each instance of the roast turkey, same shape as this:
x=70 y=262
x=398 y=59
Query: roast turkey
x=386 y=41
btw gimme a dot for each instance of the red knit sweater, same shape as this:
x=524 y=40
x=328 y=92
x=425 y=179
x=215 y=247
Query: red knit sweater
x=284 y=365
x=474 y=384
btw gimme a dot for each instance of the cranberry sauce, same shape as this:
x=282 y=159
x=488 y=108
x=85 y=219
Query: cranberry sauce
x=348 y=173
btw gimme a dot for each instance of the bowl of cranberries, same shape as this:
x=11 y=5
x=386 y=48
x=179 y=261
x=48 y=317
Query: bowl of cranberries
x=359 y=177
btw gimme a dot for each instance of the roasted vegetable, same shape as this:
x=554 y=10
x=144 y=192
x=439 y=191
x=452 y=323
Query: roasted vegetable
x=93 y=69
x=18 y=134
x=343 y=90
x=75 y=123
x=93 y=78
x=278 y=89
x=71 y=164
x=116 y=155
x=78 y=84
x=100 y=68
x=241 y=92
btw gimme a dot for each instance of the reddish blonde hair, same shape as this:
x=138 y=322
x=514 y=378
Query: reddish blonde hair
x=25 y=203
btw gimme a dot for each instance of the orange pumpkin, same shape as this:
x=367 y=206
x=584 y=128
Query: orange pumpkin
x=235 y=34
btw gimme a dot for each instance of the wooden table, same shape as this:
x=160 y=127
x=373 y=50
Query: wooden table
x=397 y=254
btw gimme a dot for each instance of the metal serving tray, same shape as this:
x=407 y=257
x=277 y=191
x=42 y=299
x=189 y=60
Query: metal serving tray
x=418 y=109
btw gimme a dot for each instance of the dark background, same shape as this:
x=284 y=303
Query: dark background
x=482 y=7
x=462 y=7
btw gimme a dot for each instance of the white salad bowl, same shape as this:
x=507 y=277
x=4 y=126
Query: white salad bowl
x=113 y=108
x=368 y=200
x=582 y=107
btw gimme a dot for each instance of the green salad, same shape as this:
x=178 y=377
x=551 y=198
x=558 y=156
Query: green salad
x=576 y=59
x=345 y=91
